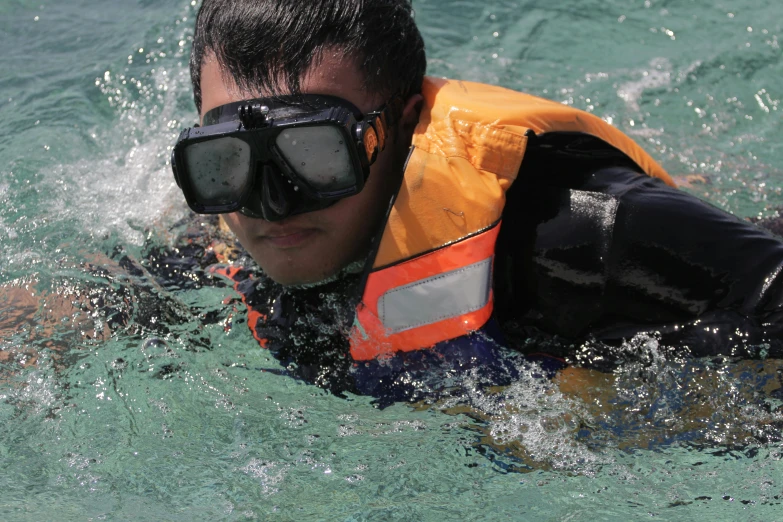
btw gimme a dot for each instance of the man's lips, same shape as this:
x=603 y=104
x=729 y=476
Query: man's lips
x=288 y=238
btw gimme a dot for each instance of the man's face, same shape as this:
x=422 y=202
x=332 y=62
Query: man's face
x=311 y=247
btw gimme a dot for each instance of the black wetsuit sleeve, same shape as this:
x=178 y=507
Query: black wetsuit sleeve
x=703 y=278
x=614 y=253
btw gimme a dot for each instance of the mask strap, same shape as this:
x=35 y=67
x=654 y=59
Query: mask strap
x=385 y=119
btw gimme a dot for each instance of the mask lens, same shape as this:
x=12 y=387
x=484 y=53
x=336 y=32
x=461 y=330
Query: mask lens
x=219 y=170
x=319 y=155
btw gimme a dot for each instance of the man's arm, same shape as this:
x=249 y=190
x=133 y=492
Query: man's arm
x=613 y=253
x=703 y=278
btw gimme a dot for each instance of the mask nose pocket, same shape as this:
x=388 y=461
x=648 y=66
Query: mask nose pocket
x=274 y=194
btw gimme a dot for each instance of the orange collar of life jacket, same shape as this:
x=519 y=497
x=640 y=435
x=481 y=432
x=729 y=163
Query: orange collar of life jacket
x=431 y=279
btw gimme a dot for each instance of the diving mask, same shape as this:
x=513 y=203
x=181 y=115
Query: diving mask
x=275 y=157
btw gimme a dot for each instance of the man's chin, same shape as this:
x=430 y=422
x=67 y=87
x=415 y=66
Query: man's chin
x=294 y=279
x=309 y=278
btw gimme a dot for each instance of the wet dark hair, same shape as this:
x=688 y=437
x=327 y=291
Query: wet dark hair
x=270 y=44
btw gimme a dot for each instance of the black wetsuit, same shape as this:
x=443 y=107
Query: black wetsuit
x=591 y=250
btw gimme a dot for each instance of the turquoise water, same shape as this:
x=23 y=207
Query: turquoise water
x=181 y=421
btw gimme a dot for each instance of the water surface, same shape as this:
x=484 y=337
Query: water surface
x=186 y=418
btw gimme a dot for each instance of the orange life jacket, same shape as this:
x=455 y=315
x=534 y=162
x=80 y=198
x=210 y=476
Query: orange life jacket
x=431 y=279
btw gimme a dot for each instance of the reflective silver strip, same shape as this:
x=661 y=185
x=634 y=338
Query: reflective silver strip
x=436 y=298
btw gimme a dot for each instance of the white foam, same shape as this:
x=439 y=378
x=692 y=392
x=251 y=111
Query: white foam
x=130 y=187
x=535 y=421
x=658 y=75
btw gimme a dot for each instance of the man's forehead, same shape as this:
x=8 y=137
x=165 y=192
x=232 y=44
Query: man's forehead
x=335 y=73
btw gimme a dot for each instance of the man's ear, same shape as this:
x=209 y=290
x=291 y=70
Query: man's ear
x=410 y=116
